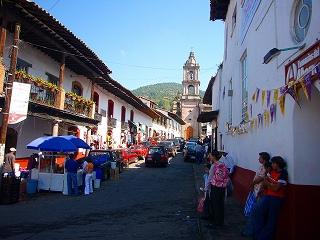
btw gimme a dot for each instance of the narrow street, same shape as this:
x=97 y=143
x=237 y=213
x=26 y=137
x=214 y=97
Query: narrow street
x=146 y=203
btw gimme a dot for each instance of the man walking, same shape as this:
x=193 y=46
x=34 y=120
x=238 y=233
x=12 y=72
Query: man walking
x=72 y=166
x=9 y=160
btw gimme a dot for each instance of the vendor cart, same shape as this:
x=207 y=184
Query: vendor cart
x=51 y=174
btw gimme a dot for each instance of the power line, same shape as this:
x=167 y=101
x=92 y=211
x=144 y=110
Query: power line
x=118 y=63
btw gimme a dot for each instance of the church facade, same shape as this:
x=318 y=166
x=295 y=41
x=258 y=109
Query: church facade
x=188 y=104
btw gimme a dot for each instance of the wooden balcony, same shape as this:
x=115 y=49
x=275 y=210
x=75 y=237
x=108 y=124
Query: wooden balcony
x=49 y=94
x=112 y=122
x=79 y=105
x=124 y=126
x=42 y=92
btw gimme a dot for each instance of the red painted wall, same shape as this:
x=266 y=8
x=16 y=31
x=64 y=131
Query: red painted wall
x=299 y=218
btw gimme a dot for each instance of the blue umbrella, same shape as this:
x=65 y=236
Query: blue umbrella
x=78 y=142
x=52 y=144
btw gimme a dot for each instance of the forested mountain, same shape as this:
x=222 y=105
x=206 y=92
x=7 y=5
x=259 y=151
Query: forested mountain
x=161 y=93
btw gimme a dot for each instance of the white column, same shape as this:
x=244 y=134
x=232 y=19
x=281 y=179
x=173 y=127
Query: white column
x=55 y=128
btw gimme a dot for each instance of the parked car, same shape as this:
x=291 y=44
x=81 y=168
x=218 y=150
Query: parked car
x=176 y=143
x=157 y=156
x=127 y=156
x=169 y=147
x=189 y=153
x=182 y=142
x=146 y=143
x=104 y=157
x=193 y=140
x=140 y=150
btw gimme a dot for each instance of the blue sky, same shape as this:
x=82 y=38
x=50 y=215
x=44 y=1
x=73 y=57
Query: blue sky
x=145 y=41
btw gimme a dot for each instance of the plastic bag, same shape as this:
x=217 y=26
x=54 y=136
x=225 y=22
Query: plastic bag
x=251 y=200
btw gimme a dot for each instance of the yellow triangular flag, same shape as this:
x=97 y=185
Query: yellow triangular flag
x=282 y=100
x=275 y=95
x=254 y=96
x=263 y=96
x=305 y=89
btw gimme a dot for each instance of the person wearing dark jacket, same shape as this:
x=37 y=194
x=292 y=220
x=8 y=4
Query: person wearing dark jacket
x=71 y=167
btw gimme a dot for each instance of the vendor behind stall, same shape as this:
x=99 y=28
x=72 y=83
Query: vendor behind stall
x=71 y=167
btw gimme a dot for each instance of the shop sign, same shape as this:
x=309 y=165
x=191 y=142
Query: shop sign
x=19 y=102
x=248 y=10
x=306 y=62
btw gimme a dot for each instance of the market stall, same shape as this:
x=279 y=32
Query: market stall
x=51 y=174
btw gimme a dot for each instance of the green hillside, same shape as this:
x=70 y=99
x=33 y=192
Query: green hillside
x=161 y=93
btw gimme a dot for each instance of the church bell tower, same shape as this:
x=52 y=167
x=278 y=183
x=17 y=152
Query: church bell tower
x=190 y=98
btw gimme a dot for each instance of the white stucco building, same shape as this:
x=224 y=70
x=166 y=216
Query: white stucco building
x=249 y=91
x=167 y=125
x=72 y=91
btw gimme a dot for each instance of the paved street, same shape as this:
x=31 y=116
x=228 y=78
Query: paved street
x=146 y=203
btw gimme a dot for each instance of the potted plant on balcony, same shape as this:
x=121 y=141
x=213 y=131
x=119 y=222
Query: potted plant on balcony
x=52 y=87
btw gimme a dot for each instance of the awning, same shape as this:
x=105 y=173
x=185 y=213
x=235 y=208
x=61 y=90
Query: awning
x=205 y=117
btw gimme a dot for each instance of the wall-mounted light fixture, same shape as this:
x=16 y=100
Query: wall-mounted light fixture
x=275 y=52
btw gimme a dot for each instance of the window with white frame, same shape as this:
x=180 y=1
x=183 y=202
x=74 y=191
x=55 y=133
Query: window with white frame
x=244 y=81
x=230 y=94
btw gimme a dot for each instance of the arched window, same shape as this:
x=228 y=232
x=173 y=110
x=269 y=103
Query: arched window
x=73 y=130
x=191 y=90
x=123 y=114
x=110 y=108
x=96 y=100
x=191 y=75
x=77 y=88
x=131 y=115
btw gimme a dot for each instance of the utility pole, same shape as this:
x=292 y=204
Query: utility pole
x=12 y=71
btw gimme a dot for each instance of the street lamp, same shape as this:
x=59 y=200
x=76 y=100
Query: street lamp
x=275 y=52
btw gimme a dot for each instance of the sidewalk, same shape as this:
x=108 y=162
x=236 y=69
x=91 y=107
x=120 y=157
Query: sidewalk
x=234 y=219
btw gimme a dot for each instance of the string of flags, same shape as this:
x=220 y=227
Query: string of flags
x=268 y=115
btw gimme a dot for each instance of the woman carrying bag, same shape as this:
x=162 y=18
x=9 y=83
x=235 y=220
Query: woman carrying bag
x=217 y=182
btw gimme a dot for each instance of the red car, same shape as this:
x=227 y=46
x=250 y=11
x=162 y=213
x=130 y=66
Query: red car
x=157 y=156
x=127 y=155
x=140 y=150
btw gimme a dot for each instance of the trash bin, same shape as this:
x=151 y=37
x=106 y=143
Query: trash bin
x=32 y=186
x=10 y=190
